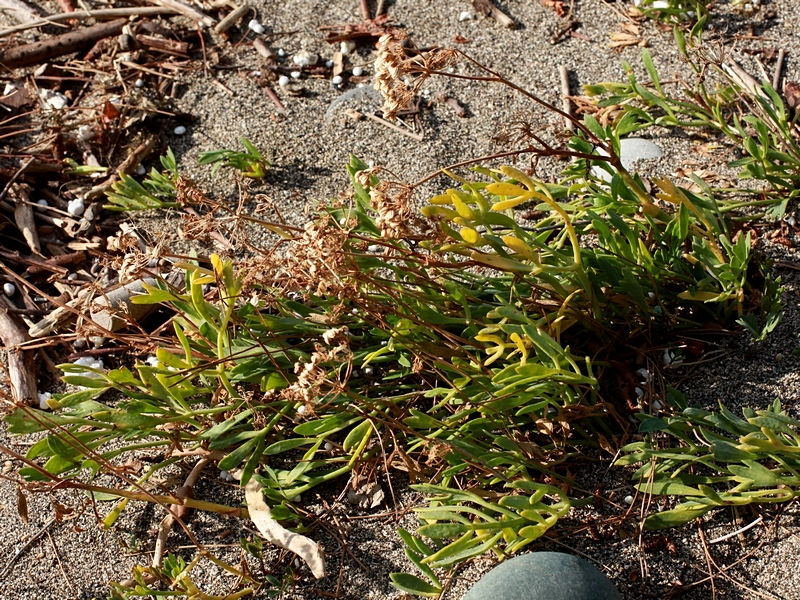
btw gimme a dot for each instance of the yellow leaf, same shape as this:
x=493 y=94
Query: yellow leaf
x=505 y=189
x=439 y=211
x=441 y=199
x=470 y=235
x=517 y=245
x=510 y=203
x=461 y=206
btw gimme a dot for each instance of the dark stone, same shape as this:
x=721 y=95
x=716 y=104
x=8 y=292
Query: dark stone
x=544 y=576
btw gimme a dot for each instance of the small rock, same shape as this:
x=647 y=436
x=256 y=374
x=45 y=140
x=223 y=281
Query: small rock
x=179 y=130
x=544 y=576
x=305 y=59
x=9 y=289
x=140 y=170
x=42 y=202
x=281 y=52
x=139 y=83
x=358 y=71
x=295 y=74
x=347 y=46
x=337 y=80
x=283 y=81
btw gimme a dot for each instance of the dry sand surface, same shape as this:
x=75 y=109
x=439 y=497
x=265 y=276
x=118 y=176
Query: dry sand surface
x=309 y=144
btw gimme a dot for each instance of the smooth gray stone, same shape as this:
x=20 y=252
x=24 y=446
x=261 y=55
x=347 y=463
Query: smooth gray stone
x=544 y=576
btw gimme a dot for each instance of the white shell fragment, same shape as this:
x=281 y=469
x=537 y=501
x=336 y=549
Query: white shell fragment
x=76 y=207
x=85 y=133
x=295 y=74
x=283 y=81
x=630 y=150
x=465 y=16
x=43 y=398
x=53 y=100
x=9 y=289
x=179 y=130
x=255 y=26
x=305 y=59
x=358 y=71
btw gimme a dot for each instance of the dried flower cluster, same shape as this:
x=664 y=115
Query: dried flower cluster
x=394 y=71
x=316 y=259
x=313 y=375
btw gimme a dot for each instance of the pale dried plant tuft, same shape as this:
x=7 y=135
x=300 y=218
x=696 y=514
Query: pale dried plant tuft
x=393 y=68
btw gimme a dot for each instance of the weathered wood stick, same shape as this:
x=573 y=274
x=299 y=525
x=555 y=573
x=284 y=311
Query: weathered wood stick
x=234 y=17
x=21 y=371
x=566 y=106
x=82 y=15
x=487 y=8
x=23 y=216
x=41 y=51
x=188 y=12
x=776 y=77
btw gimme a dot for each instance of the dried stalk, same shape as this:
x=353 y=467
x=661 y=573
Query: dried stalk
x=48 y=48
x=82 y=15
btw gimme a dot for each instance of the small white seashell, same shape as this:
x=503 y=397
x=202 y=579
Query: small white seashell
x=358 y=71
x=295 y=74
x=255 y=26
x=76 y=207
x=283 y=81
x=9 y=289
x=179 y=130
x=43 y=398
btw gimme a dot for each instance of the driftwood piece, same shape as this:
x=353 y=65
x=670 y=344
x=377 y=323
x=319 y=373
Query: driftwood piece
x=114 y=310
x=82 y=15
x=566 y=106
x=19 y=11
x=187 y=11
x=163 y=45
x=41 y=51
x=485 y=7
x=21 y=372
x=23 y=216
x=234 y=17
